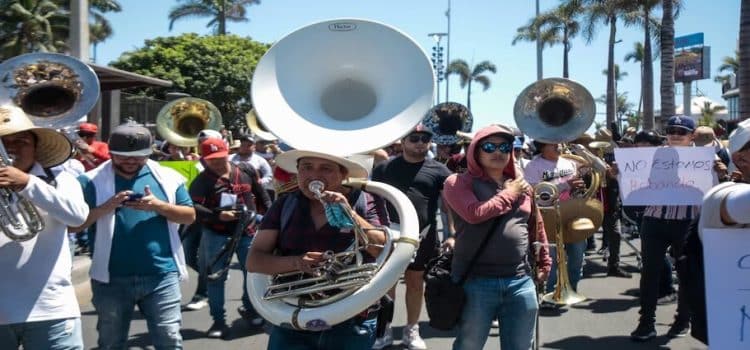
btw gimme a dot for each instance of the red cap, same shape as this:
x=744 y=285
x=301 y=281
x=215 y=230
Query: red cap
x=214 y=148
x=88 y=128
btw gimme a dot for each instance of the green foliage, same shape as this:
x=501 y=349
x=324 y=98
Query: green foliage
x=233 y=11
x=216 y=68
x=708 y=113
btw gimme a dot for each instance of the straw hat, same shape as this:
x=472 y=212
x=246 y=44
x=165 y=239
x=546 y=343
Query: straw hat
x=52 y=147
x=288 y=162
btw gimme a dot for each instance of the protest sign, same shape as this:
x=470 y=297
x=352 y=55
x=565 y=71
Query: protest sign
x=665 y=175
x=726 y=256
x=187 y=168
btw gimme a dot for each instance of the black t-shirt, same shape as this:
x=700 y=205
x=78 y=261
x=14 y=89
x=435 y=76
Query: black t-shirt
x=421 y=182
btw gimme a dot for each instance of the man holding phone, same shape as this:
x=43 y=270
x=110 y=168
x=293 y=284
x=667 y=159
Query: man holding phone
x=218 y=192
x=136 y=208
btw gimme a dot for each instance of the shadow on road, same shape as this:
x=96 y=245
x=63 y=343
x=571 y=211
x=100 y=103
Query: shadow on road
x=603 y=306
x=609 y=343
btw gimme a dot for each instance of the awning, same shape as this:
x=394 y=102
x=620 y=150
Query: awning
x=115 y=79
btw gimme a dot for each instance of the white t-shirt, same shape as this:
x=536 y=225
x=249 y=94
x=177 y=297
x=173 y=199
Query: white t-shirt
x=260 y=164
x=559 y=173
x=36 y=282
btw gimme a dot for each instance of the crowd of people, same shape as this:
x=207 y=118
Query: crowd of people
x=144 y=224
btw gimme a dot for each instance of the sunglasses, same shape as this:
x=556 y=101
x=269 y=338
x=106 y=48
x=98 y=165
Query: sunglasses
x=491 y=147
x=414 y=138
x=678 y=131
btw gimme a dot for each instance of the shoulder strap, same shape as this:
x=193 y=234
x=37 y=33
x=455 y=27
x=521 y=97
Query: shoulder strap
x=287 y=209
x=479 y=251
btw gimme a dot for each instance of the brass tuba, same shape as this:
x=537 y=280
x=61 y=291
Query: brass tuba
x=450 y=122
x=180 y=121
x=323 y=88
x=54 y=91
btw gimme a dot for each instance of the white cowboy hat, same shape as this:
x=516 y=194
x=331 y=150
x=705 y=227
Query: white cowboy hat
x=288 y=161
x=52 y=147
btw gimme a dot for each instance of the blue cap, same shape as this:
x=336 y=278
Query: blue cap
x=681 y=121
x=517 y=143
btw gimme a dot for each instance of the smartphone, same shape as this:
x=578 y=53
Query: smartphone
x=134 y=197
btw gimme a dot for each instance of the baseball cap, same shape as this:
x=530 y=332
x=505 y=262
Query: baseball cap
x=212 y=148
x=246 y=137
x=422 y=128
x=681 y=121
x=131 y=140
x=517 y=143
x=88 y=128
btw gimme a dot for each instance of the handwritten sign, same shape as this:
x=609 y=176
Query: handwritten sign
x=665 y=175
x=726 y=254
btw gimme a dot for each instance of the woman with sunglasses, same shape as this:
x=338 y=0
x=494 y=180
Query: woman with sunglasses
x=500 y=285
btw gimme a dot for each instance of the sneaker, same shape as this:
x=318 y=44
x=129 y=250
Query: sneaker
x=495 y=324
x=385 y=341
x=670 y=298
x=546 y=305
x=411 y=339
x=218 y=330
x=251 y=317
x=616 y=271
x=198 y=302
x=644 y=332
x=679 y=329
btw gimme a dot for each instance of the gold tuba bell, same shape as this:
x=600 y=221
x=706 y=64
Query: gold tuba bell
x=180 y=121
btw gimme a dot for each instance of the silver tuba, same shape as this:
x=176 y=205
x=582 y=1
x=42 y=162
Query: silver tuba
x=180 y=121
x=54 y=91
x=341 y=87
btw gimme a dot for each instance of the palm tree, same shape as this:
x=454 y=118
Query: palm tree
x=556 y=26
x=634 y=119
x=220 y=11
x=642 y=16
x=468 y=76
x=623 y=105
x=618 y=74
x=30 y=26
x=708 y=113
x=666 y=87
x=637 y=56
x=730 y=64
x=744 y=73
x=606 y=12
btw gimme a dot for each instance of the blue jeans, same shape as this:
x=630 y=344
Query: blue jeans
x=512 y=300
x=158 y=299
x=575 y=253
x=351 y=334
x=211 y=244
x=62 y=334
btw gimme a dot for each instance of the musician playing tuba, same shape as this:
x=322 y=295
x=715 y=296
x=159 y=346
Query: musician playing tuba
x=38 y=306
x=547 y=165
x=297 y=227
x=500 y=285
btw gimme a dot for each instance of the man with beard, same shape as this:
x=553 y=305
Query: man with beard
x=421 y=179
x=137 y=206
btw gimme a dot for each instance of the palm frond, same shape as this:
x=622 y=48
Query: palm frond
x=484 y=81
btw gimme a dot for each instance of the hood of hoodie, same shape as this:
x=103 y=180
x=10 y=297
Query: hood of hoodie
x=474 y=168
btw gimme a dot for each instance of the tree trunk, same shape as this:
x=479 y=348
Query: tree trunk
x=566 y=48
x=667 y=60
x=640 y=98
x=648 y=75
x=611 y=96
x=222 y=17
x=468 y=95
x=744 y=72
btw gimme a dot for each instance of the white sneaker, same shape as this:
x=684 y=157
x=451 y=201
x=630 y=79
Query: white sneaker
x=385 y=341
x=197 y=303
x=495 y=324
x=411 y=339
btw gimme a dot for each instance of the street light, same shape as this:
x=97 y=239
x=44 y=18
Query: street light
x=437 y=61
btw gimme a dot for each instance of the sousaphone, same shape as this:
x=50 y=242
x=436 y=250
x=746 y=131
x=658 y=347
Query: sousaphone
x=450 y=122
x=342 y=87
x=180 y=121
x=54 y=90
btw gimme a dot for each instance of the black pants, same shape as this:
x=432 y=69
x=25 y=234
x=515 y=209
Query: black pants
x=656 y=236
x=612 y=235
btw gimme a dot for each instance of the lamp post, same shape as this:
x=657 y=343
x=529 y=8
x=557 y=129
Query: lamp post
x=448 y=48
x=437 y=62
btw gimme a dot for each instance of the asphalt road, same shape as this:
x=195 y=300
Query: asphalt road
x=604 y=321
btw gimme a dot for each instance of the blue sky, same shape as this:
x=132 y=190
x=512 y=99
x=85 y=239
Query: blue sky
x=481 y=30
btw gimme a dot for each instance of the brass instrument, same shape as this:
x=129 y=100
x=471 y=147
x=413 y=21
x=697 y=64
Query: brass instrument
x=558 y=110
x=450 y=123
x=54 y=91
x=180 y=121
x=257 y=128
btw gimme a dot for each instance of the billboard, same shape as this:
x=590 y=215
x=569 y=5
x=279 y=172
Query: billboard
x=692 y=64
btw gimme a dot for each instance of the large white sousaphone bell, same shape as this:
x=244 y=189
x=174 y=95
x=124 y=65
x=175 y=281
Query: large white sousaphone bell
x=342 y=87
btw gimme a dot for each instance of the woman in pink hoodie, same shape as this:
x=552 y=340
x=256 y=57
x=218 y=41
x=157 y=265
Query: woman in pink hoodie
x=501 y=282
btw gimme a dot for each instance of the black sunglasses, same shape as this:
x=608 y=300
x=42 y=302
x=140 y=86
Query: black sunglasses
x=490 y=147
x=678 y=131
x=414 y=138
